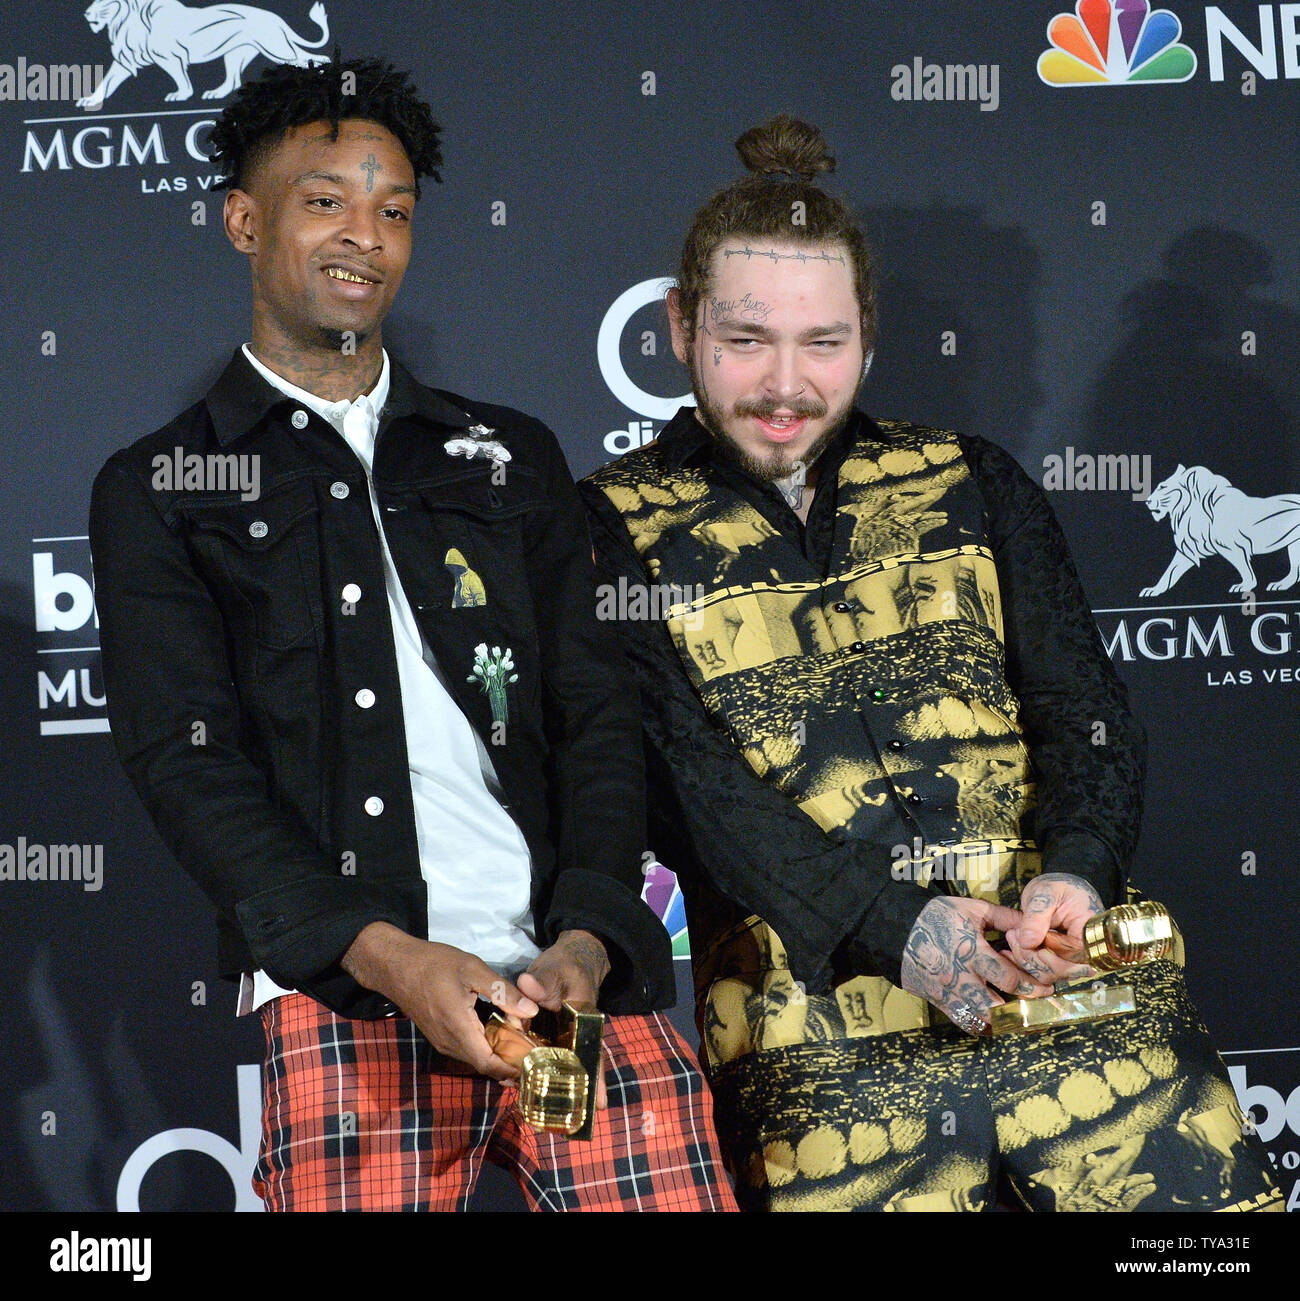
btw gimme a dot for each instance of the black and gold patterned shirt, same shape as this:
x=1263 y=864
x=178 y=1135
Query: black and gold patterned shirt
x=840 y=621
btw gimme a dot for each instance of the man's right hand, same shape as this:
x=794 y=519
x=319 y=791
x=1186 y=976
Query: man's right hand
x=949 y=963
x=438 y=986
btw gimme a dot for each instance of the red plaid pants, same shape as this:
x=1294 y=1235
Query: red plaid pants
x=365 y=1116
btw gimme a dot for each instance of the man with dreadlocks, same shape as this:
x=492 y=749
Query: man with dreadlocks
x=870 y=742
x=372 y=712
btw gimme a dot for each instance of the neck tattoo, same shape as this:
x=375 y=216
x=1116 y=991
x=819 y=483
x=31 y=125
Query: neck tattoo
x=791 y=487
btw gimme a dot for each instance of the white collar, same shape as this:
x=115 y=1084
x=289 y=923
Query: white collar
x=371 y=403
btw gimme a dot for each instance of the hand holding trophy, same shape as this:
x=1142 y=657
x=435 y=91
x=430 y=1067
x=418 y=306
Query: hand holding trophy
x=558 y=1076
x=1117 y=938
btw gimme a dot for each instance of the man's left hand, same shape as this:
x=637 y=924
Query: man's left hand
x=570 y=971
x=1056 y=901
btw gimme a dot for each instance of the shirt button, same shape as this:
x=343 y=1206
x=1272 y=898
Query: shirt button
x=258 y=528
x=374 y=806
x=858 y=647
x=877 y=694
x=895 y=745
x=365 y=697
x=299 y=419
x=841 y=607
x=916 y=799
x=351 y=592
x=339 y=489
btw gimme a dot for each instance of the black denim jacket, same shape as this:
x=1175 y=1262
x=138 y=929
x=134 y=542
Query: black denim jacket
x=233 y=659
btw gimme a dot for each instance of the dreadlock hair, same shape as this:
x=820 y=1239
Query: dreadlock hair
x=783 y=155
x=265 y=110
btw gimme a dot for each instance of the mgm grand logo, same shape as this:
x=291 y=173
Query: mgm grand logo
x=1213 y=521
x=1186 y=636
x=159 y=42
x=173 y=36
x=1209 y=517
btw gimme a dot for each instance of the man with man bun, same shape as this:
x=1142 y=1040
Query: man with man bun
x=869 y=721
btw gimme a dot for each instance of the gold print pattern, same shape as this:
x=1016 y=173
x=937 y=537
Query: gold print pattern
x=904 y=629
x=1081 y=1122
x=725 y=540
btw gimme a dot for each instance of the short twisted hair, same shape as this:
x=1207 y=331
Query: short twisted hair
x=263 y=111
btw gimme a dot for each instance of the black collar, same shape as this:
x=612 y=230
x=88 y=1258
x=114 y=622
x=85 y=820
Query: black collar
x=241 y=399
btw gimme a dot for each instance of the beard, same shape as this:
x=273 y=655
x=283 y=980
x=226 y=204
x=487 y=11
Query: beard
x=777 y=462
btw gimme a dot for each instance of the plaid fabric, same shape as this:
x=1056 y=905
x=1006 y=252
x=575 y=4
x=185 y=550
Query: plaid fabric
x=366 y=1116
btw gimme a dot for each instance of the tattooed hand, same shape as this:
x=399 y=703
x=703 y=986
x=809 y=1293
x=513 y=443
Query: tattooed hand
x=1054 y=902
x=569 y=971
x=949 y=963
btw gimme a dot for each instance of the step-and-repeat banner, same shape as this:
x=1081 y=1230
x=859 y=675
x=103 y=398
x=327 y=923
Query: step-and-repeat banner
x=1088 y=239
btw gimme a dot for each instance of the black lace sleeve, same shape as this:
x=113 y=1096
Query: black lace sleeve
x=750 y=843
x=1088 y=750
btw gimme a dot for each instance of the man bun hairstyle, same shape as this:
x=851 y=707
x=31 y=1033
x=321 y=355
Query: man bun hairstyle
x=263 y=111
x=785 y=147
x=777 y=201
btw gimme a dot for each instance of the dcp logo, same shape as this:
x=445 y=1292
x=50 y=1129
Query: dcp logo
x=238 y=1162
x=608 y=355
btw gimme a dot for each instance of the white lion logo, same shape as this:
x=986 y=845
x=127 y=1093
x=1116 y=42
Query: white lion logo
x=172 y=35
x=1211 y=517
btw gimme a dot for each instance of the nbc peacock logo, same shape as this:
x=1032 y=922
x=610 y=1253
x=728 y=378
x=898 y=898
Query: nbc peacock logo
x=664 y=895
x=1115 y=43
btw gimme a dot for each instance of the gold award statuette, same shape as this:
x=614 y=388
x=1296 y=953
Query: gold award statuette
x=1066 y=1007
x=1119 y=937
x=1127 y=935
x=557 y=1077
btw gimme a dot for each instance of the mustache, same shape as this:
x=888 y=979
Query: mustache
x=766 y=408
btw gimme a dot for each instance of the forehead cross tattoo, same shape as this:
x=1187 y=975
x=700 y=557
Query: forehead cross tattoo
x=370 y=167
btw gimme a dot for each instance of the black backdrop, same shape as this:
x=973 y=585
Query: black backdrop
x=1073 y=271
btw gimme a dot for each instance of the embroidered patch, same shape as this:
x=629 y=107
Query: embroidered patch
x=469 y=586
x=493 y=674
x=477 y=441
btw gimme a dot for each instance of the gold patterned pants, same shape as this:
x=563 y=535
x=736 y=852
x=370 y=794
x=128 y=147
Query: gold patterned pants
x=1131 y=1113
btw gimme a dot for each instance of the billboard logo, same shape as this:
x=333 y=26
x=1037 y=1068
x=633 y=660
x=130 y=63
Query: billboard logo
x=608 y=357
x=1115 y=43
x=69 y=682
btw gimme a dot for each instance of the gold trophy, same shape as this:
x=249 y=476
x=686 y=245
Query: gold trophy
x=559 y=1075
x=1120 y=937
